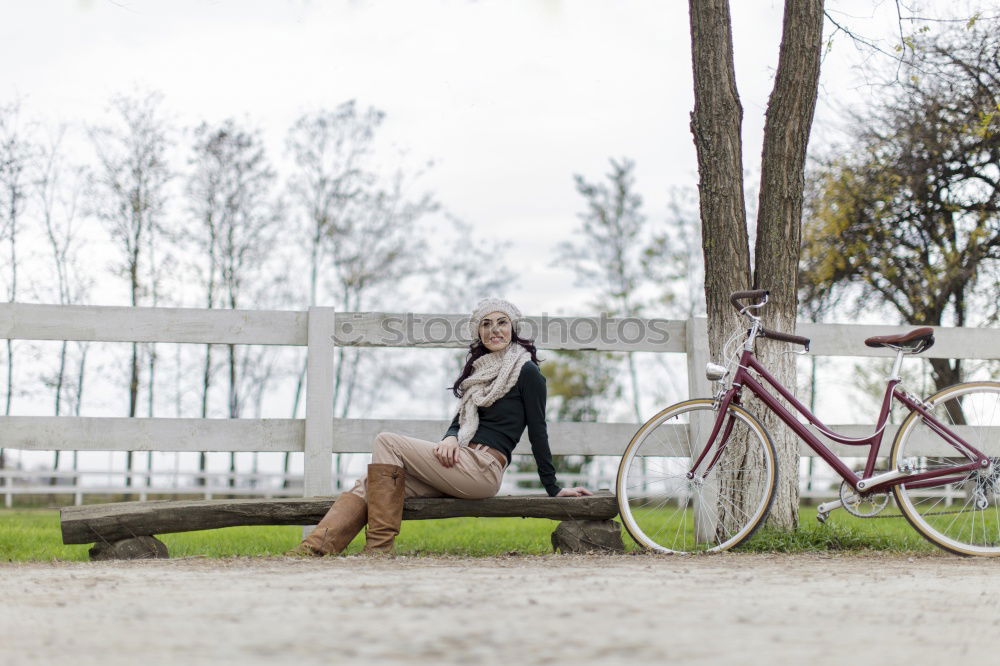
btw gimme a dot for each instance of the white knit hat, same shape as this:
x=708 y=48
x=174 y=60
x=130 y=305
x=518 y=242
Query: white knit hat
x=488 y=305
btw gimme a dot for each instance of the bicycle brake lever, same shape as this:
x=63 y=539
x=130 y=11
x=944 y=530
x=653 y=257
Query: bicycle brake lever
x=797 y=353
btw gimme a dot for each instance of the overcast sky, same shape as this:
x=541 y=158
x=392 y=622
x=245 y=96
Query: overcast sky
x=508 y=99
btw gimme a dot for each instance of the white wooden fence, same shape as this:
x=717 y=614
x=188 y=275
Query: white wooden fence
x=320 y=330
x=209 y=484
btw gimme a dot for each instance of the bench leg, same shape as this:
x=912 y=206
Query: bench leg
x=136 y=548
x=582 y=536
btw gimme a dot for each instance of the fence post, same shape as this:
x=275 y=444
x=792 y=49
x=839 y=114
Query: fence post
x=697 y=357
x=701 y=424
x=317 y=475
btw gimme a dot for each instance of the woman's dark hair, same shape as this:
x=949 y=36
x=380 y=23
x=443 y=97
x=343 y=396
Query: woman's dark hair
x=477 y=349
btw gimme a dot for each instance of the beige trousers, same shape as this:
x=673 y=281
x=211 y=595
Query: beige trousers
x=476 y=475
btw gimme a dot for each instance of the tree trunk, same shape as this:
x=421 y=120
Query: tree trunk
x=206 y=383
x=132 y=404
x=715 y=124
x=299 y=385
x=634 y=379
x=779 y=221
x=60 y=377
x=946 y=373
x=295 y=412
x=150 y=401
x=13 y=297
x=151 y=368
x=10 y=376
x=78 y=404
x=80 y=376
x=233 y=408
x=133 y=384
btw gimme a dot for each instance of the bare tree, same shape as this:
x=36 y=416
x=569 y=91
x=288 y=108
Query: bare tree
x=378 y=247
x=58 y=190
x=715 y=124
x=237 y=223
x=16 y=155
x=673 y=261
x=468 y=267
x=609 y=254
x=361 y=235
x=129 y=197
x=465 y=269
x=206 y=188
x=674 y=267
x=331 y=150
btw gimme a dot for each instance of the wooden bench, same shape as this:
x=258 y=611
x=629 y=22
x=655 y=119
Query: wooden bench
x=127 y=530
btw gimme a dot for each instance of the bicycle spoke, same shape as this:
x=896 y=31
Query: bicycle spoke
x=965 y=526
x=663 y=509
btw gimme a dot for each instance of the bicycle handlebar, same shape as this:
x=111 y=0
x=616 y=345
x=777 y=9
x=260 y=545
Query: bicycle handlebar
x=784 y=337
x=737 y=296
x=760 y=297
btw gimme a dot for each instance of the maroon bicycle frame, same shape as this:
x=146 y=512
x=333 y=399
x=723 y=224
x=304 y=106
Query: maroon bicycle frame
x=743 y=378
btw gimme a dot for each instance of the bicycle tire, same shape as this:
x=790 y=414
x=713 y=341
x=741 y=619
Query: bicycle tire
x=973 y=528
x=689 y=516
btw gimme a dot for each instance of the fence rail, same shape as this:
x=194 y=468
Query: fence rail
x=210 y=484
x=321 y=330
x=275 y=484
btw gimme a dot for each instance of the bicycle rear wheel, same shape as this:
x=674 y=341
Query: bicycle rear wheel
x=663 y=510
x=962 y=516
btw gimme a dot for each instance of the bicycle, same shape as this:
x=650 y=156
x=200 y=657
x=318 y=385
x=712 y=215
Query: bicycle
x=700 y=476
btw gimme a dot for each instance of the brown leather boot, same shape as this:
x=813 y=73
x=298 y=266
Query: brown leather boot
x=386 y=484
x=339 y=526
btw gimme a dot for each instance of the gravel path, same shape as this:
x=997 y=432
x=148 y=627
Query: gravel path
x=731 y=608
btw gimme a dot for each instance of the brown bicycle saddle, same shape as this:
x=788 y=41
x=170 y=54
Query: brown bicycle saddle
x=917 y=340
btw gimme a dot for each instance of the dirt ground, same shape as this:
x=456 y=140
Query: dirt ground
x=731 y=608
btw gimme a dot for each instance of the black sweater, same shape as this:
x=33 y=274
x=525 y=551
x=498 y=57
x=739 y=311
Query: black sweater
x=502 y=423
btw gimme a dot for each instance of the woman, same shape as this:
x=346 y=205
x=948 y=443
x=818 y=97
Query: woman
x=501 y=391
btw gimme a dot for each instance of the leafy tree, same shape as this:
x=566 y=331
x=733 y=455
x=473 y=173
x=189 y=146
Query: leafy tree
x=581 y=385
x=908 y=216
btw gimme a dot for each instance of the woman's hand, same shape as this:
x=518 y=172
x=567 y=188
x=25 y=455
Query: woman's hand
x=446 y=451
x=578 y=491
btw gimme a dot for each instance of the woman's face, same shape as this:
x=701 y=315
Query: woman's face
x=494 y=331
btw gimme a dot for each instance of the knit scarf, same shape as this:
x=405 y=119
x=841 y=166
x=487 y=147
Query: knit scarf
x=492 y=377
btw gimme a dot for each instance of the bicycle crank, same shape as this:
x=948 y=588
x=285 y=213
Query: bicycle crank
x=862 y=506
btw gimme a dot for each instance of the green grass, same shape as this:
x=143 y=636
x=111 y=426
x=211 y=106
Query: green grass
x=33 y=535
x=841 y=532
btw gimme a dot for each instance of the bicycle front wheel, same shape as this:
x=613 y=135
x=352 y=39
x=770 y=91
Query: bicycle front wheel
x=962 y=514
x=665 y=511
